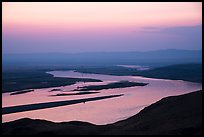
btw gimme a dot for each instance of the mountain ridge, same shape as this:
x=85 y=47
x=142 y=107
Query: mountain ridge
x=114 y=58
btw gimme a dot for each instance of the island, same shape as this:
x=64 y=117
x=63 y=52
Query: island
x=24 y=79
x=56 y=89
x=79 y=93
x=22 y=92
x=37 y=106
x=174 y=115
x=120 y=84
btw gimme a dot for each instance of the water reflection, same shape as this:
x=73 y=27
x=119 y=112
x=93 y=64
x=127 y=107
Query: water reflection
x=101 y=111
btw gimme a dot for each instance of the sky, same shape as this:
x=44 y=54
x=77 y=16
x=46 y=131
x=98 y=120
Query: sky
x=42 y=27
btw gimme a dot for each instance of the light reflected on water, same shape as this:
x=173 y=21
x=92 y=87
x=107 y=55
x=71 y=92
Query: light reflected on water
x=100 y=111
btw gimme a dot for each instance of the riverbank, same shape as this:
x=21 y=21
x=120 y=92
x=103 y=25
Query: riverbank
x=16 y=80
x=112 y=110
x=33 y=78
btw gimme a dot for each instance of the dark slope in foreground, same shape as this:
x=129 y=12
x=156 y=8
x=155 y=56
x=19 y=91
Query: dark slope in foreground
x=172 y=115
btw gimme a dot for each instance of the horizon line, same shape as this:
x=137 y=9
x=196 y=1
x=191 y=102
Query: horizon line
x=103 y=51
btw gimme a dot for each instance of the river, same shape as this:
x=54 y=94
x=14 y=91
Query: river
x=101 y=111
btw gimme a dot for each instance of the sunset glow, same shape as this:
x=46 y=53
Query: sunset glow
x=99 y=15
x=100 y=20
x=102 y=68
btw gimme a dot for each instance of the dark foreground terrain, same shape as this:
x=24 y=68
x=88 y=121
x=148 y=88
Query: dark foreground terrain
x=178 y=115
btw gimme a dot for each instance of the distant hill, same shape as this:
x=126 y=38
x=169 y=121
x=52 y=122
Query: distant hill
x=170 y=56
x=175 y=115
x=188 y=72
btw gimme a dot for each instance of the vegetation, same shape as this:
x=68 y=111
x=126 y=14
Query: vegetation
x=13 y=80
x=22 y=92
x=188 y=72
x=79 y=93
x=55 y=89
x=35 y=77
x=121 y=84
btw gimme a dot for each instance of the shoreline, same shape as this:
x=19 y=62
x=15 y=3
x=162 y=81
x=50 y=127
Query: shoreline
x=30 y=107
x=143 y=123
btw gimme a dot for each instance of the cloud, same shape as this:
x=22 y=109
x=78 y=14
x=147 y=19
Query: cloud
x=178 y=30
x=150 y=29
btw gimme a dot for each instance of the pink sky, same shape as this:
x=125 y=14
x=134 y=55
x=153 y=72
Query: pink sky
x=79 y=16
x=105 y=21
